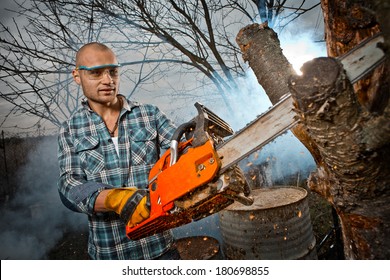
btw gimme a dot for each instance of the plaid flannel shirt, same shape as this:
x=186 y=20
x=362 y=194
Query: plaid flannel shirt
x=89 y=163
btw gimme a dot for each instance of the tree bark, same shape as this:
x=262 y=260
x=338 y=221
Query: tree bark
x=349 y=142
x=347 y=23
x=354 y=177
x=271 y=67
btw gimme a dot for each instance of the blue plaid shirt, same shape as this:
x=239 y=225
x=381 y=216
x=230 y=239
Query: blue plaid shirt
x=89 y=163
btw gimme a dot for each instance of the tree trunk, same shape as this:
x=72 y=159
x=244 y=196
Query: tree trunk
x=354 y=176
x=348 y=139
x=346 y=24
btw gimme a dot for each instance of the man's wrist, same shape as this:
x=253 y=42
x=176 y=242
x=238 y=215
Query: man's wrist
x=99 y=202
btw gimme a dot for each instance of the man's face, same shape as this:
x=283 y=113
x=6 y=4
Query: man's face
x=99 y=84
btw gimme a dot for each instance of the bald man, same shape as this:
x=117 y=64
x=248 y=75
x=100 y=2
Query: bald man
x=105 y=152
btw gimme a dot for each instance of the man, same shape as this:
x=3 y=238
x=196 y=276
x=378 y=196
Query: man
x=105 y=152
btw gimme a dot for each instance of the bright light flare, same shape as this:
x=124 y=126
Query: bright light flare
x=300 y=50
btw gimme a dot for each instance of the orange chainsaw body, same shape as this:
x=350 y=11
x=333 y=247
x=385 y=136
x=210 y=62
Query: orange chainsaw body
x=197 y=164
x=195 y=168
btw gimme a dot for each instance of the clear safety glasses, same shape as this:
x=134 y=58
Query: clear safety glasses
x=97 y=72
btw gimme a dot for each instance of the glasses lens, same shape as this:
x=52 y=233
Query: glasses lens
x=97 y=74
x=114 y=72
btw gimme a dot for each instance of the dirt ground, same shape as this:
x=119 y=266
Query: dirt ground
x=73 y=245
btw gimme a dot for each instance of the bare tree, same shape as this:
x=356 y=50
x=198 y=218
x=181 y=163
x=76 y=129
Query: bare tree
x=153 y=37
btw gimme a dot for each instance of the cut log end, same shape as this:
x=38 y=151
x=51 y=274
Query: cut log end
x=322 y=71
x=246 y=34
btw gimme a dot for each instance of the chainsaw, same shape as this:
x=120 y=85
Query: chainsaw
x=185 y=183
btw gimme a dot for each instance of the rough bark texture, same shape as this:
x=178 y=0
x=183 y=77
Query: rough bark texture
x=348 y=23
x=347 y=136
x=271 y=67
x=354 y=178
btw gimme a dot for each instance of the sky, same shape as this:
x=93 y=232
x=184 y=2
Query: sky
x=5 y=6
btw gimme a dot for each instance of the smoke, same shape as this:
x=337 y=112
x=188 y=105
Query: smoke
x=35 y=220
x=285 y=160
x=286 y=156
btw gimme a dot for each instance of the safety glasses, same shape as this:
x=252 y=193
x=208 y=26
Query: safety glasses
x=97 y=72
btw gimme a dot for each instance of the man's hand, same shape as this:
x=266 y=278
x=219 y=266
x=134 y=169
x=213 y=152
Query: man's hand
x=132 y=204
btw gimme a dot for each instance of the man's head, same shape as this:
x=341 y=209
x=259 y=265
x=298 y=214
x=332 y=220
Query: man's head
x=97 y=71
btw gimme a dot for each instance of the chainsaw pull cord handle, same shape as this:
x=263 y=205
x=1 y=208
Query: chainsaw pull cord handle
x=174 y=148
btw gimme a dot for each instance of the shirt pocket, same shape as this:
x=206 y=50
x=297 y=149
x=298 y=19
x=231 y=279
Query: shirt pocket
x=144 y=146
x=91 y=158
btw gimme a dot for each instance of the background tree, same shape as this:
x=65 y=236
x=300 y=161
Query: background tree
x=158 y=39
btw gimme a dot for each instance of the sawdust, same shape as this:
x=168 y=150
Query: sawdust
x=198 y=248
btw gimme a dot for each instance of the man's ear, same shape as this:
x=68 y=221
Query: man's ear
x=76 y=76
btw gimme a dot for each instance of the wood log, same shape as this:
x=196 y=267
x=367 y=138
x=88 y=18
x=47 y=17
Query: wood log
x=260 y=47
